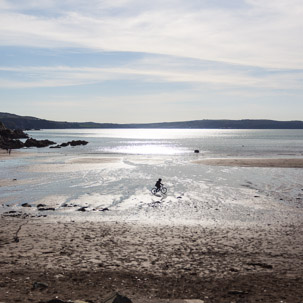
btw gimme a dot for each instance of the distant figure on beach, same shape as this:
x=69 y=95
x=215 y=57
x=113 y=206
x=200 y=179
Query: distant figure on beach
x=158 y=184
x=159 y=187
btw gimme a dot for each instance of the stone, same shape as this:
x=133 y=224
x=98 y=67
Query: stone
x=82 y=208
x=116 y=298
x=56 y=146
x=237 y=292
x=46 y=208
x=40 y=285
x=71 y=143
x=26 y=205
x=41 y=205
x=196 y=151
x=38 y=143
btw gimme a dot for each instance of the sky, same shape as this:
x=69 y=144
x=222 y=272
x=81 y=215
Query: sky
x=134 y=61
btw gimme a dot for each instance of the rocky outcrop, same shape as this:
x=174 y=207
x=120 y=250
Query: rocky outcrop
x=71 y=143
x=38 y=143
x=9 y=139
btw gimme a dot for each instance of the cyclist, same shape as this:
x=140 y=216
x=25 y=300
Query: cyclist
x=158 y=184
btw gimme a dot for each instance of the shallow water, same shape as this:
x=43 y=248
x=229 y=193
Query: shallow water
x=118 y=168
x=210 y=143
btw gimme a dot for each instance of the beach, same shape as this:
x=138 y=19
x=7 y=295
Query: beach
x=81 y=223
x=88 y=260
x=241 y=251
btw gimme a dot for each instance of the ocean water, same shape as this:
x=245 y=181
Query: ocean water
x=210 y=143
x=112 y=177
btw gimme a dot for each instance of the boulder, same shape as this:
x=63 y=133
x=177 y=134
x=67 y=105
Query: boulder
x=117 y=298
x=71 y=143
x=26 y=205
x=39 y=286
x=46 y=208
x=82 y=208
x=77 y=142
x=56 y=146
x=38 y=143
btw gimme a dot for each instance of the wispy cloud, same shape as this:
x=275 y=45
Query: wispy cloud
x=189 y=56
x=259 y=33
x=153 y=70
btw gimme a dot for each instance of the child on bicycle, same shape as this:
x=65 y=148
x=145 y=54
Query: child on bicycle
x=158 y=184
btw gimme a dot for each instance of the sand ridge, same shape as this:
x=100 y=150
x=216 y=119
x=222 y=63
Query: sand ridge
x=254 y=162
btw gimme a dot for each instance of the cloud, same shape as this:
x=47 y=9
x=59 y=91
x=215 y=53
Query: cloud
x=157 y=70
x=256 y=33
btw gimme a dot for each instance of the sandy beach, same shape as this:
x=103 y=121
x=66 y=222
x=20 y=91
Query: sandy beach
x=213 y=242
x=147 y=263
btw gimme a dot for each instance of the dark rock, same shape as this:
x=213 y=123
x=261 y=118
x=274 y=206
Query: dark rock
x=78 y=142
x=26 y=205
x=233 y=269
x=121 y=299
x=73 y=143
x=40 y=286
x=12 y=213
x=117 y=298
x=41 y=205
x=9 y=138
x=237 y=292
x=38 y=143
x=196 y=151
x=19 y=134
x=263 y=265
x=104 y=209
x=56 y=146
x=82 y=208
x=46 y=208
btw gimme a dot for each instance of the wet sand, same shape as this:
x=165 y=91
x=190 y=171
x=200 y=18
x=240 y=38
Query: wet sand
x=86 y=260
x=254 y=162
x=149 y=264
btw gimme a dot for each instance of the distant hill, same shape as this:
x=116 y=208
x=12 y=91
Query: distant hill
x=24 y=122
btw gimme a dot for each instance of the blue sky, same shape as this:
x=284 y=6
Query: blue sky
x=152 y=61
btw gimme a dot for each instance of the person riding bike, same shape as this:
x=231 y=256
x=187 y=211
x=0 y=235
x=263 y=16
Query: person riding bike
x=158 y=184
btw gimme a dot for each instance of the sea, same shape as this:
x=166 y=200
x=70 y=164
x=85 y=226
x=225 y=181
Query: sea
x=110 y=178
x=210 y=143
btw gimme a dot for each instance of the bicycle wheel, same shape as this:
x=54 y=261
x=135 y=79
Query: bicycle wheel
x=154 y=190
x=163 y=190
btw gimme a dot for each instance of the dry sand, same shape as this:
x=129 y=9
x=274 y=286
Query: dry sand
x=149 y=264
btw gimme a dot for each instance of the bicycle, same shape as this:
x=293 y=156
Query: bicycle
x=162 y=189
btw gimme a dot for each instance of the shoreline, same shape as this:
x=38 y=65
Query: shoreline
x=274 y=162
